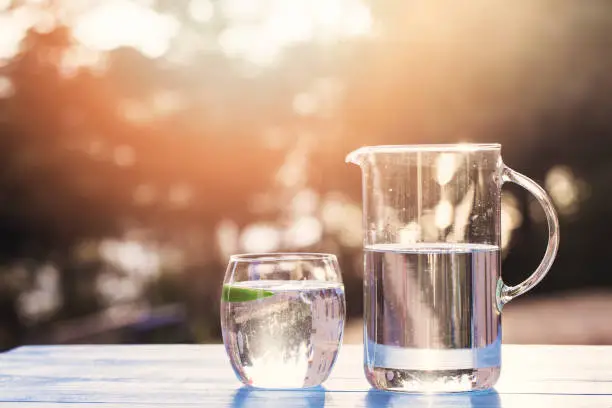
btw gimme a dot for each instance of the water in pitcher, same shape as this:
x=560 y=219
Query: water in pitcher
x=288 y=339
x=432 y=322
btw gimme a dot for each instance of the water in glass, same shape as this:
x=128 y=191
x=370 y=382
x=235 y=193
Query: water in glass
x=287 y=338
x=431 y=320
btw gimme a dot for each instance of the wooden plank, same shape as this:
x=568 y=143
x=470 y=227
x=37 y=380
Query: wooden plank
x=193 y=375
x=361 y=401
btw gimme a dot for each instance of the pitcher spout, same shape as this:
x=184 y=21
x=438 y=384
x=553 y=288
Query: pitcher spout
x=357 y=156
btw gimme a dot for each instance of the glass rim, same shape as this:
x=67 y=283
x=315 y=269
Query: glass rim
x=450 y=147
x=282 y=256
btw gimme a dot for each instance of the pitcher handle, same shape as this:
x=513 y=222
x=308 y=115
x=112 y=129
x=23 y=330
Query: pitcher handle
x=506 y=293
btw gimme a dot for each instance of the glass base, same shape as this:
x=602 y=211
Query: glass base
x=429 y=381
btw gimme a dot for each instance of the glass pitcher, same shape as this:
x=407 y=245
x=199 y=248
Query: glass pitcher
x=433 y=291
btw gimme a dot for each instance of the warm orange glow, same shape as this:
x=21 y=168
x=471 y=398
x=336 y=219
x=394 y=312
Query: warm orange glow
x=141 y=139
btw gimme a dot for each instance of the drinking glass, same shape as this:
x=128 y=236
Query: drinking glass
x=282 y=318
x=432 y=279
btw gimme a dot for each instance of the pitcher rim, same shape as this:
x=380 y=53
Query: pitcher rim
x=440 y=147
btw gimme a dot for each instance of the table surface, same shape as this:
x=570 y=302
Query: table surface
x=200 y=376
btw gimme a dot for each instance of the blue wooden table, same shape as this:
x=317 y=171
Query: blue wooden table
x=200 y=376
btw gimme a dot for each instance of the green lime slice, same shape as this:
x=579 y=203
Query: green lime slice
x=237 y=294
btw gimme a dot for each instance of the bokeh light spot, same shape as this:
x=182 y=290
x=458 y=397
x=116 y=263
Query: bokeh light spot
x=565 y=189
x=131 y=256
x=259 y=31
x=79 y=56
x=201 y=10
x=305 y=231
x=44 y=298
x=180 y=195
x=166 y=102
x=511 y=218
x=122 y=23
x=124 y=156
x=145 y=194
x=305 y=104
x=305 y=202
x=5 y=4
x=260 y=237
x=135 y=111
x=343 y=218
x=227 y=238
x=7 y=89
x=14 y=28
